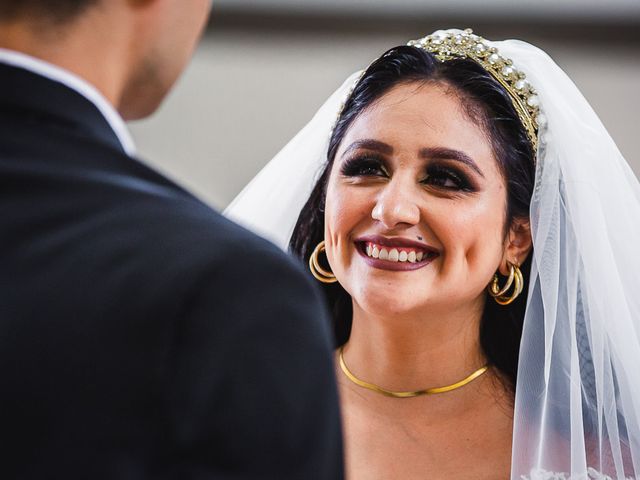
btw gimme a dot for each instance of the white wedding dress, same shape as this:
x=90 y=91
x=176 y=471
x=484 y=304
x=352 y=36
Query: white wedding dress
x=577 y=405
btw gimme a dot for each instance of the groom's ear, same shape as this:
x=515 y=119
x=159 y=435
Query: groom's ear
x=518 y=243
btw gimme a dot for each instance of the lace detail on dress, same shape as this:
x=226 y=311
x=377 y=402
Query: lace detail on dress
x=591 y=474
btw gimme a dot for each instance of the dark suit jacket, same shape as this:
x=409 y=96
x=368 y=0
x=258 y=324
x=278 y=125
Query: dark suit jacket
x=142 y=335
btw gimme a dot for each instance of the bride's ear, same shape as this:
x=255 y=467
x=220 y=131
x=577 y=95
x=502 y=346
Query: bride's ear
x=518 y=243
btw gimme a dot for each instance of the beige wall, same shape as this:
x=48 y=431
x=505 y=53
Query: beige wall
x=245 y=95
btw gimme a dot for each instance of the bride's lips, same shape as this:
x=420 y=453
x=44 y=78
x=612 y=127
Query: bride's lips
x=369 y=246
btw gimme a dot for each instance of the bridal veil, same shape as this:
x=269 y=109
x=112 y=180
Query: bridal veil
x=577 y=403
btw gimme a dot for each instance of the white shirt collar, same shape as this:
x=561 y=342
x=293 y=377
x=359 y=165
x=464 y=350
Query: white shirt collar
x=73 y=81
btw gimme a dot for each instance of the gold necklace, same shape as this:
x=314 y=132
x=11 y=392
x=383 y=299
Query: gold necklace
x=417 y=393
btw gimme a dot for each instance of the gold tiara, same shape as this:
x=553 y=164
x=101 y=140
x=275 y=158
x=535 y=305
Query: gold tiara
x=449 y=45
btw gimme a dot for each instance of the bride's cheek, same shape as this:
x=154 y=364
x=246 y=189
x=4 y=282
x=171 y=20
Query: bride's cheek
x=340 y=221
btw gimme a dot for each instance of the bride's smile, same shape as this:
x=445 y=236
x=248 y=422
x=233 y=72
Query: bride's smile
x=396 y=253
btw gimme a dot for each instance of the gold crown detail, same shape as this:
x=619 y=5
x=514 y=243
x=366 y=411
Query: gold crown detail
x=449 y=45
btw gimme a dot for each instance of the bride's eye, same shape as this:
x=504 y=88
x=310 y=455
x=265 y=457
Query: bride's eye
x=364 y=166
x=447 y=179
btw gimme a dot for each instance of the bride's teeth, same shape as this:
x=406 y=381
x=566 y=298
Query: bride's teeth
x=393 y=255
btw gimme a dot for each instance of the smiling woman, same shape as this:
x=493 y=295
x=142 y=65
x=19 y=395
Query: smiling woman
x=405 y=144
x=416 y=167
x=465 y=222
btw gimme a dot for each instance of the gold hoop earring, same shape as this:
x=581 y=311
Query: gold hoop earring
x=500 y=294
x=317 y=271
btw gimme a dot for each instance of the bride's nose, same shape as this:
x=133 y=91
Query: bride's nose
x=396 y=205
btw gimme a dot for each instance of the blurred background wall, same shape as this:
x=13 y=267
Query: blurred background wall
x=265 y=66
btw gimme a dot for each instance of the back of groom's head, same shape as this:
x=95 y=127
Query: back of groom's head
x=131 y=51
x=57 y=11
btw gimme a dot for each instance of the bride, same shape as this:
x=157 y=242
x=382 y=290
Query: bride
x=474 y=229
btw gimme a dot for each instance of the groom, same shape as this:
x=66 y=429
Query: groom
x=141 y=334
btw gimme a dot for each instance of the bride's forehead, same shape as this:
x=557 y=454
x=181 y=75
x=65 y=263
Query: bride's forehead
x=417 y=111
x=416 y=101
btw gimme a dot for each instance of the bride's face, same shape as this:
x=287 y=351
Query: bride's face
x=415 y=205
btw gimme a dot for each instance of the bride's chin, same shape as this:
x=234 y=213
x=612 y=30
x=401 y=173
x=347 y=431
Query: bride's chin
x=392 y=306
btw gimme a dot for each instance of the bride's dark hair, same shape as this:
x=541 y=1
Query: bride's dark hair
x=489 y=104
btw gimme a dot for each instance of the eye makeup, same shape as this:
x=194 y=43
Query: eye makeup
x=448 y=178
x=365 y=165
x=438 y=174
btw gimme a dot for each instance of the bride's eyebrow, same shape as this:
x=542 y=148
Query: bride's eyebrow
x=442 y=153
x=369 y=144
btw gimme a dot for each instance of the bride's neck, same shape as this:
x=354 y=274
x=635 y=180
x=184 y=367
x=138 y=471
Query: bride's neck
x=414 y=352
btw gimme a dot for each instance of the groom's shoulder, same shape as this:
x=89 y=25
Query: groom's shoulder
x=194 y=228
x=198 y=241
x=226 y=271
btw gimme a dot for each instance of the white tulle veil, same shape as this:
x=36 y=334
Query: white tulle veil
x=577 y=404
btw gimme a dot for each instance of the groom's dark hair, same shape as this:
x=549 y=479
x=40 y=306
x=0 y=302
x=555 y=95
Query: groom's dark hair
x=52 y=11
